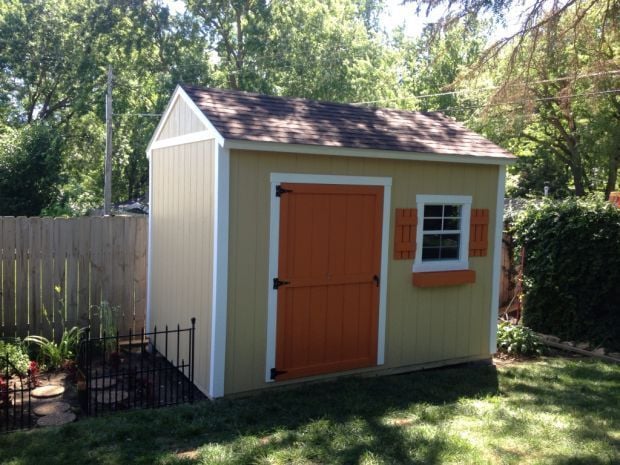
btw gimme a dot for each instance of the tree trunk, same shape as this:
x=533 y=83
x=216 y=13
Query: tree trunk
x=578 y=178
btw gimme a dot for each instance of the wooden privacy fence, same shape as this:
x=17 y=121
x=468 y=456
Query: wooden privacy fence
x=58 y=271
x=509 y=287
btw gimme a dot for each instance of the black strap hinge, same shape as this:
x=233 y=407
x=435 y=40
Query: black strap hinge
x=281 y=190
x=277 y=283
x=275 y=372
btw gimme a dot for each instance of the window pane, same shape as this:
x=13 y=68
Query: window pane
x=449 y=253
x=431 y=240
x=432 y=225
x=433 y=210
x=430 y=253
x=451 y=224
x=445 y=244
x=452 y=210
x=450 y=240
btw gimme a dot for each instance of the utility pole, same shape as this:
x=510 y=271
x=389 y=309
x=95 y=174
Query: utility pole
x=107 y=175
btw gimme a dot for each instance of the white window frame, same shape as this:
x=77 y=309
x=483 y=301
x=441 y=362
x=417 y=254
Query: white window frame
x=462 y=263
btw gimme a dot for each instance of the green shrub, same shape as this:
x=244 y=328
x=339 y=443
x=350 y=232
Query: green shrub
x=517 y=340
x=53 y=354
x=571 y=279
x=17 y=355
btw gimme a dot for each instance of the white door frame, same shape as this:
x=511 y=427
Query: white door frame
x=274 y=245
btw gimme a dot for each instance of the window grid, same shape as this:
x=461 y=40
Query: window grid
x=441 y=232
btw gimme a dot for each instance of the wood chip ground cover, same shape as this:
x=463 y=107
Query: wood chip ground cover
x=552 y=411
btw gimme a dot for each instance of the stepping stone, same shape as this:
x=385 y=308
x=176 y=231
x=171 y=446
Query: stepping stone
x=108 y=398
x=51 y=408
x=45 y=392
x=56 y=419
x=103 y=383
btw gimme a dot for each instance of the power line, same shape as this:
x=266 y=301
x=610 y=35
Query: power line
x=464 y=107
x=541 y=99
x=440 y=94
x=456 y=92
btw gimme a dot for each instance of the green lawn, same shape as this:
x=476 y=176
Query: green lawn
x=552 y=411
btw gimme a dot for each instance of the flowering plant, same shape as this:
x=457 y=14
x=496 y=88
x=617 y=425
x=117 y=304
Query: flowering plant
x=33 y=373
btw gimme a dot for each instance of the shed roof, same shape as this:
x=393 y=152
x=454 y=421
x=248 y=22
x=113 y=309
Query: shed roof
x=260 y=118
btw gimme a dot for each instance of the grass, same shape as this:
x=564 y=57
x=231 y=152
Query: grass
x=553 y=411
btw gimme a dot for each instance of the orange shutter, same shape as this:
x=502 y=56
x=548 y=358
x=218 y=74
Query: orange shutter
x=479 y=232
x=404 y=233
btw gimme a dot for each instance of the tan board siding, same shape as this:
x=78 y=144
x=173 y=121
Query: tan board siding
x=182 y=120
x=423 y=325
x=182 y=244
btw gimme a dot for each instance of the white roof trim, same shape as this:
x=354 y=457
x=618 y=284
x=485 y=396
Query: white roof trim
x=180 y=140
x=365 y=153
x=179 y=93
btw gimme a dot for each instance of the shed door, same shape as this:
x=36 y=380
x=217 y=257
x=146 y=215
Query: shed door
x=329 y=263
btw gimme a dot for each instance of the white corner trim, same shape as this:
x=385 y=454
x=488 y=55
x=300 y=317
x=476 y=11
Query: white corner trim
x=274 y=238
x=385 y=243
x=443 y=265
x=179 y=93
x=497 y=258
x=180 y=140
x=219 y=307
x=149 y=251
x=365 y=153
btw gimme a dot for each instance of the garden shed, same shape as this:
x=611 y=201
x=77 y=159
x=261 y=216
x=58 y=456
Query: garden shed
x=311 y=239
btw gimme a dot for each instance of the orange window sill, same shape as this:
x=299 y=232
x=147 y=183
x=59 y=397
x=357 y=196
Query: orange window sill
x=443 y=278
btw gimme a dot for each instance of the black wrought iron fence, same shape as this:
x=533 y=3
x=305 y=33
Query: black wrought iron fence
x=142 y=370
x=15 y=405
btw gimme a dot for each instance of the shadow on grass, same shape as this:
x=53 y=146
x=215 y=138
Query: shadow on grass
x=337 y=422
x=340 y=422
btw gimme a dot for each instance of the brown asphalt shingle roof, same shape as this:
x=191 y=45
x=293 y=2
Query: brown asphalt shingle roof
x=260 y=118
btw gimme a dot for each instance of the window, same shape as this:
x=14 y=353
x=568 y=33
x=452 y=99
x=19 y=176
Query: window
x=442 y=232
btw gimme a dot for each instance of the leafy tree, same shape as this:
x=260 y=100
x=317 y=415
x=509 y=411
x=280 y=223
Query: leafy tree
x=432 y=66
x=302 y=48
x=54 y=58
x=30 y=169
x=535 y=18
x=564 y=105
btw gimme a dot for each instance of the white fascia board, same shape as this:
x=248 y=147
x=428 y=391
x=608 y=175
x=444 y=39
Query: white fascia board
x=179 y=93
x=497 y=258
x=365 y=153
x=180 y=140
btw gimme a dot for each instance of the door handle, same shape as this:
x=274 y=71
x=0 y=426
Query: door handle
x=375 y=279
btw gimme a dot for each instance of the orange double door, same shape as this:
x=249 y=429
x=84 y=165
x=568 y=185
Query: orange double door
x=329 y=261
